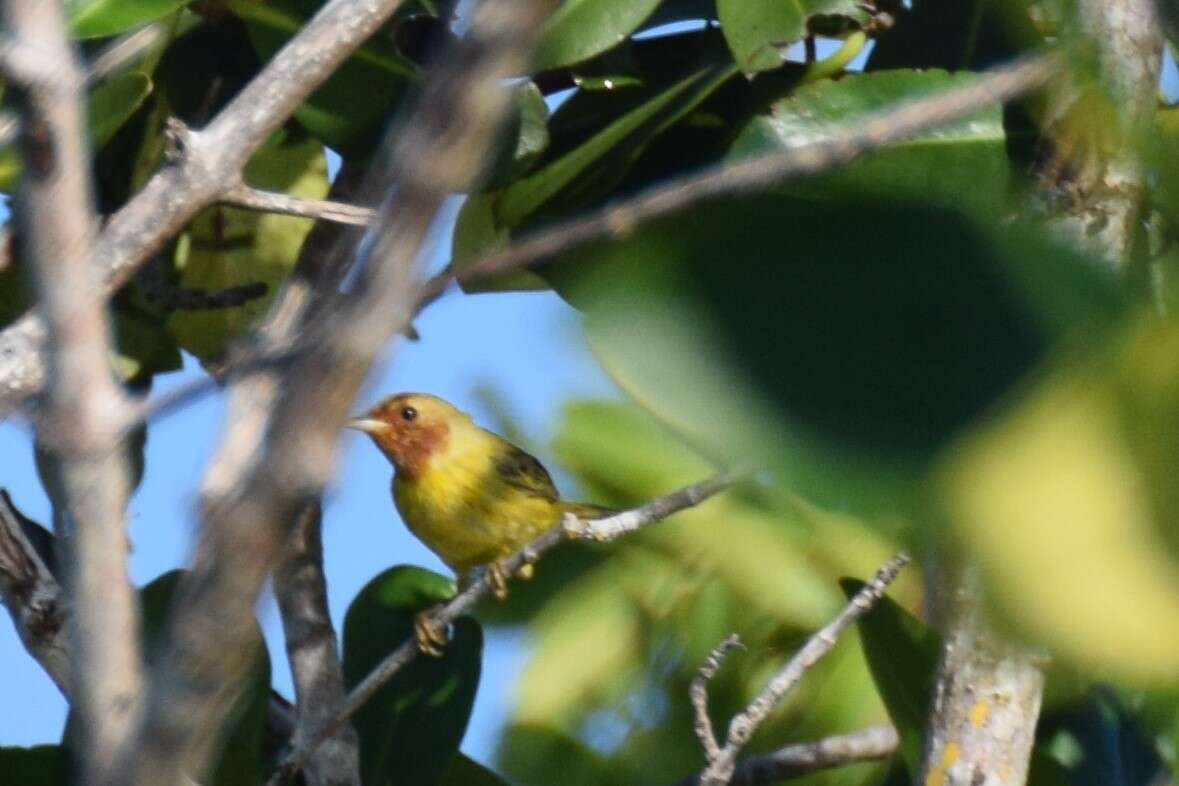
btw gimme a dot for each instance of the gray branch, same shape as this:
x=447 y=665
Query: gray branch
x=84 y=406
x=269 y=467
x=208 y=164
x=721 y=764
x=242 y=195
x=599 y=530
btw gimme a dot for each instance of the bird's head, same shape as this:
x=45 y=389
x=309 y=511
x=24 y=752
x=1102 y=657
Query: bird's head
x=409 y=428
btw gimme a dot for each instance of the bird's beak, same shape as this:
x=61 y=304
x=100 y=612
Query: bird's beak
x=368 y=425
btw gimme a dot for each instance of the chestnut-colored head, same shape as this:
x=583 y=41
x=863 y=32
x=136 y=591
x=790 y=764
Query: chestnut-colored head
x=409 y=428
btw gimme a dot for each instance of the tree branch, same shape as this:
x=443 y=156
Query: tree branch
x=804 y=758
x=268 y=468
x=721 y=766
x=889 y=125
x=85 y=406
x=32 y=594
x=209 y=163
x=698 y=694
x=246 y=196
x=603 y=529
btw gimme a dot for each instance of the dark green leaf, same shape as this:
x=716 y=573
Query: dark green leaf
x=580 y=29
x=524 y=139
x=465 y=771
x=350 y=109
x=412 y=727
x=902 y=653
x=42 y=765
x=758 y=33
x=1098 y=741
x=100 y=18
x=144 y=346
x=970 y=34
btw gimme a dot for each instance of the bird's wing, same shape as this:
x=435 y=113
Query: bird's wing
x=522 y=471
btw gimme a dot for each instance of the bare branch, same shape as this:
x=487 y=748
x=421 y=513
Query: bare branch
x=596 y=530
x=721 y=767
x=208 y=164
x=301 y=590
x=698 y=693
x=246 y=196
x=269 y=467
x=84 y=403
x=32 y=594
x=804 y=758
x=890 y=125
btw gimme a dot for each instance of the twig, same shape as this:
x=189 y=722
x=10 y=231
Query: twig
x=720 y=767
x=804 y=758
x=246 y=196
x=32 y=595
x=209 y=160
x=269 y=467
x=603 y=529
x=301 y=590
x=890 y=125
x=84 y=404
x=698 y=694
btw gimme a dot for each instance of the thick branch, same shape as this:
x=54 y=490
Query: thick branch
x=210 y=162
x=85 y=405
x=596 y=530
x=721 y=765
x=301 y=590
x=275 y=465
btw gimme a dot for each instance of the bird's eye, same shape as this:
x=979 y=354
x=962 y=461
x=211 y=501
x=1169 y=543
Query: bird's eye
x=408 y=413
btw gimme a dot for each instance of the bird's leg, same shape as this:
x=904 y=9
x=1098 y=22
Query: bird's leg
x=431 y=637
x=497 y=577
x=526 y=570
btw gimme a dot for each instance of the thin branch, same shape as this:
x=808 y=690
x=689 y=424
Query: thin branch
x=720 y=767
x=603 y=529
x=84 y=404
x=267 y=468
x=301 y=590
x=31 y=593
x=210 y=161
x=242 y=195
x=698 y=694
x=794 y=761
x=890 y=125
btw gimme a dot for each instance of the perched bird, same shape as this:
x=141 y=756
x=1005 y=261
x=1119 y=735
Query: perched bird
x=470 y=495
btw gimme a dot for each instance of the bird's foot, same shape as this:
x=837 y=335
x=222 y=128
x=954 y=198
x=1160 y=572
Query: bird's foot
x=431 y=637
x=526 y=570
x=497 y=576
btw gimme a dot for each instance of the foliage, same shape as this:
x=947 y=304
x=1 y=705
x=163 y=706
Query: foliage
x=903 y=346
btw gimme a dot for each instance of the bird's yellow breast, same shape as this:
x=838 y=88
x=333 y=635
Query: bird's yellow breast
x=463 y=509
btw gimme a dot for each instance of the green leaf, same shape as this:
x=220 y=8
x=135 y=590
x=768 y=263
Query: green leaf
x=969 y=34
x=108 y=107
x=758 y=33
x=240 y=759
x=524 y=139
x=411 y=728
x=349 y=111
x=229 y=247
x=101 y=18
x=41 y=765
x=465 y=771
x=580 y=29
x=902 y=654
x=143 y=345
x=1099 y=741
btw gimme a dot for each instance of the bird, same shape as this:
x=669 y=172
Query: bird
x=472 y=497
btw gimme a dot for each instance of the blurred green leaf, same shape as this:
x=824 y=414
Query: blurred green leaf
x=41 y=765
x=1067 y=498
x=101 y=18
x=143 y=345
x=240 y=759
x=349 y=111
x=229 y=247
x=412 y=726
x=758 y=33
x=108 y=107
x=970 y=34
x=580 y=29
x=1098 y=741
x=902 y=653
x=465 y=771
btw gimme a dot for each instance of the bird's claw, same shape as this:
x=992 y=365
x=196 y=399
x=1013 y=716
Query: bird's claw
x=431 y=637
x=497 y=576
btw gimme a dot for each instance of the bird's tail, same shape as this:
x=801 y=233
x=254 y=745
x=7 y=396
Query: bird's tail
x=586 y=510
